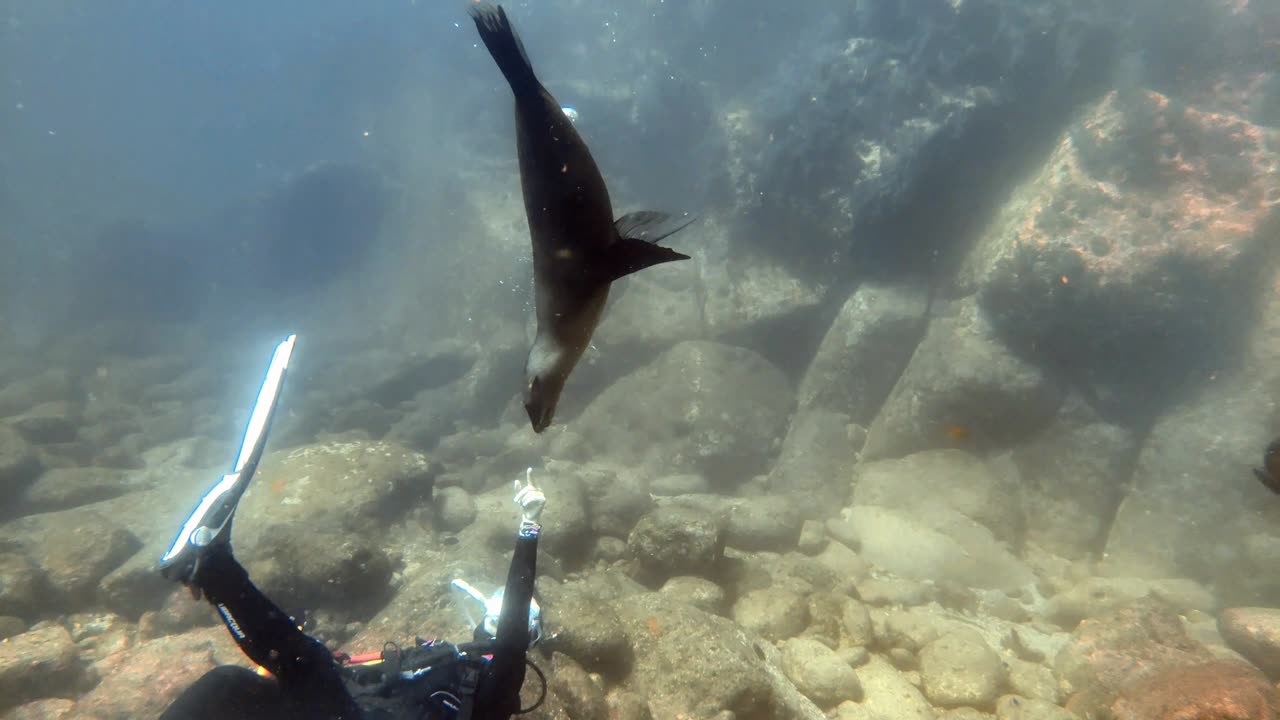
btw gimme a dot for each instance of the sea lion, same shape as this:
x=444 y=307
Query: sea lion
x=578 y=248
x=1269 y=473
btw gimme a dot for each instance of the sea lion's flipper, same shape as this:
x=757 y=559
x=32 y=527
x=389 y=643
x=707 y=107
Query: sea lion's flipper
x=650 y=225
x=505 y=47
x=629 y=255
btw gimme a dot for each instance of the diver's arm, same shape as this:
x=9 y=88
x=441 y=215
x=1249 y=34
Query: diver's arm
x=506 y=670
x=513 y=623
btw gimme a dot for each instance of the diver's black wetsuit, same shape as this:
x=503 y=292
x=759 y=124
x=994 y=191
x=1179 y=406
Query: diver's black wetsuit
x=310 y=683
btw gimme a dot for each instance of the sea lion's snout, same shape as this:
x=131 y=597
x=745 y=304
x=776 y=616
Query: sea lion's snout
x=1269 y=473
x=540 y=404
x=539 y=417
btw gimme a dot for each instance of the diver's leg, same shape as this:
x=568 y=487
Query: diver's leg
x=230 y=693
x=305 y=669
x=201 y=559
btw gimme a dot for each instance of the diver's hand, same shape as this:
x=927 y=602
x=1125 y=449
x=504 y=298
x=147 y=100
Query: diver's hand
x=529 y=498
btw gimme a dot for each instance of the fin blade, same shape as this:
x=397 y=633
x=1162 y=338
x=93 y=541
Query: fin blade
x=651 y=225
x=504 y=45
x=628 y=255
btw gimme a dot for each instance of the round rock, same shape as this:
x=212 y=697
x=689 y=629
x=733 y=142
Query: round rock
x=455 y=508
x=675 y=541
x=37 y=664
x=698 y=592
x=772 y=613
x=840 y=619
x=819 y=672
x=609 y=549
x=960 y=669
x=887 y=693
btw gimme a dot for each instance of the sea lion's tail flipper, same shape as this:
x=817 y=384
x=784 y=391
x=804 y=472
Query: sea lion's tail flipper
x=637 y=245
x=505 y=47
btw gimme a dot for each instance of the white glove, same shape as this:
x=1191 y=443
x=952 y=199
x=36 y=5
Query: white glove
x=529 y=498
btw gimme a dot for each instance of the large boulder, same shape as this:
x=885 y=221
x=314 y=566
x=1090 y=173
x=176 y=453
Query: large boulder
x=1193 y=508
x=951 y=479
x=1112 y=654
x=813 y=465
x=751 y=300
x=1072 y=479
x=864 y=147
x=73 y=551
x=864 y=352
x=1255 y=634
x=1095 y=597
x=732 y=678
x=613 y=498
x=167 y=666
x=79 y=550
x=1125 y=262
x=351 y=487
x=700 y=407
x=65 y=488
x=354 y=490
x=933 y=543
x=582 y=624
x=1221 y=688
x=38 y=664
x=673 y=540
x=491 y=376
x=962 y=386
x=768 y=523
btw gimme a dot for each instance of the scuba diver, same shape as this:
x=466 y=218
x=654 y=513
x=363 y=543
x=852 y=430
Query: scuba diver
x=435 y=680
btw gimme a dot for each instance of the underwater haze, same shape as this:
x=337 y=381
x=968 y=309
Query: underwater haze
x=959 y=397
